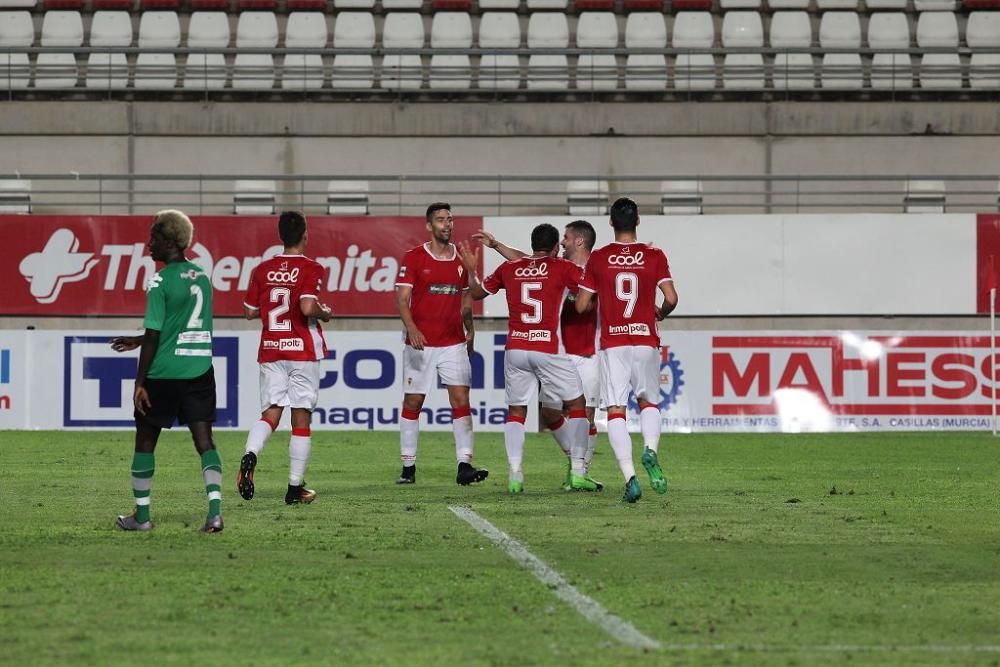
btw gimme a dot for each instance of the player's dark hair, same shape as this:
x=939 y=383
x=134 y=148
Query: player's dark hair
x=544 y=238
x=585 y=231
x=291 y=228
x=435 y=207
x=624 y=215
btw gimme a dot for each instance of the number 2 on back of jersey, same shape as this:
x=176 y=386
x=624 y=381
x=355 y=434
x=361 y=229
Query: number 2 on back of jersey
x=625 y=289
x=197 y=318
x=281 y=297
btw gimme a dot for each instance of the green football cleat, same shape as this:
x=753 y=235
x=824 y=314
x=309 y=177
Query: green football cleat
x=652 y=466
x=632 y=491
x=578 y=483
x=567 y=484
x=515 y=486
x=599 y=485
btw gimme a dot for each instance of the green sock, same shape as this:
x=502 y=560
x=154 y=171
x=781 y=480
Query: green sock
x=211 y=468
x=142 y=481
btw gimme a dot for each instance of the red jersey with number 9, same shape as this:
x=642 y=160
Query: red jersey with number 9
x=535 y=288
x=276 y=287
x=626 y=278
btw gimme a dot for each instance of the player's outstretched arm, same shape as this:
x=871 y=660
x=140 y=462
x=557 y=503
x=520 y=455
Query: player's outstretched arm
x=490 y=241
x=669 y=299
x=470 y=260
x=310 y=307
x=403 y=293
x=125 y=343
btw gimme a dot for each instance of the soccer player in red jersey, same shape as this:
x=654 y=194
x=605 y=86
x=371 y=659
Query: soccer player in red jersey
x=626 y=276
x=284 y=293
x=578 y=336
x=535 y=286
x=436 y=310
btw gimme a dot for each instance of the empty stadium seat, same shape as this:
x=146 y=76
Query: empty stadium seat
x=548 y=30
x=402 y=30
x=157 y=30
x=780 y=5
x=491 y=5
x=15 y=196
x=18 y=4
x=166 y=5
x=534 y=5
x=939 y=70
x=983 y=31
x=643 y=5
x=210 y=5
x=924 y=196
x=890 y=70
x=840 y=30
x=112 y=5
x=587 y=197
x=597 y=30
x=109 y=29
x=395 y=5
x=980 y=4
x=353 y=30
x=645 y=30
x=896 y=5
x=789 y=31
x=451 y=30
x=691 y=5
x=743 y=71
x=728 y=5
x=58 y=70
x=254 y=197
x=347 y=198
x=680 y=197
x=295 y=6
x=451 y=5
x=304 y=30
x=694 y=30
x=499 y=30
x=72 y=5
x=16 y=29
x=827 y=5
x=255 y=71
x=594 y=5
x=935 y=5
x=258 y=5
x=207 y=30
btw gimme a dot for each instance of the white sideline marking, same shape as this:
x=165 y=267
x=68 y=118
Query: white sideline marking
x=591 y=610
x=626 y=633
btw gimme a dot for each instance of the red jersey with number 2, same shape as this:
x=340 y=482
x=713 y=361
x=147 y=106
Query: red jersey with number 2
x=626 y=278
x=535 y=288
x=276 y=287
x=436 y=296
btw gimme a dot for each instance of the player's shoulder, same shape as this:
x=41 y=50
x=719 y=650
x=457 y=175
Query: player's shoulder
x=416 y=252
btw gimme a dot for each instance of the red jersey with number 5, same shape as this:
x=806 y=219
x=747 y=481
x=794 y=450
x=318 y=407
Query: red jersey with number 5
x=535 y=288
x=626 y=278
x=276 y=287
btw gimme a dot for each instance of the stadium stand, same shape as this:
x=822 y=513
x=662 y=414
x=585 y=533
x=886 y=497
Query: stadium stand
x=347 y=198
x=353 y=30
x=305 y=29
x=15 y=196
x=548 y=30
x=587 y=197
x=58 y=70
x=983 y=31
x=254 y=197
x=255 y=71
x=890 y=30
x=743 y=70
x=596 y=30
x=924 y=196
x=16 y=29
x=451 y=30
x=694 y=30
x=157 y=29
x=645 y=71
x=109 y=29
x=939 y=70
x=499 y=30
x=204 y=71
x=838 y=30
x=681 y=197
x=792 y=70
x=402 y=30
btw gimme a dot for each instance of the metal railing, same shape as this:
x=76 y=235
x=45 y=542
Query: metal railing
x=500 y=194
x=488 y=71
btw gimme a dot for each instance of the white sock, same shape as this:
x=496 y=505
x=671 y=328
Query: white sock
x=563 y=435
x=578 y=427
x=649 y=423
x=461 y=426
x=621 y=444
x=591 y=446
x=299 y=447
x=513 y=440
x=258 y=435
x=408 y=432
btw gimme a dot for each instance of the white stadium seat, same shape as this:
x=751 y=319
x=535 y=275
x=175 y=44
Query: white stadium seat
x=207 y=30
x=780 y=5
x=58 y=70
x=645 y=71
x=499 y=30
x=304 y=30
x=728 y=5
x=402 y=30
x=680 y=197
x=353 y=4
x=157 y=30
x=255 y=71
x=743 y=71
x=983 y=31
x=15 y=196
x=254 y=197
x=587 y=197
x=939 y=70
x=890 y=30
x=897 y=5
x=109 y=70
x=354 y=30
x=924 y=197
x=792 y=71
x=694 y=30
x=548 y=30
x=347 y=198
x=395 y=5
x=491 y=5
x=840 y=30
x=935 y=5
x=545 y=4
x=827 y=5
x=451 y=30
x=16 y=29
x=597 y=30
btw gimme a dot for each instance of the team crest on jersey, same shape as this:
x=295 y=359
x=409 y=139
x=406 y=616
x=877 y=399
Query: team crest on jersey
x=284 y=266
x=460 y=270
x=671 y=381
x=190 y=274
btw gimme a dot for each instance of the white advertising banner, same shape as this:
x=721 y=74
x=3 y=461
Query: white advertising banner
x=732 y=381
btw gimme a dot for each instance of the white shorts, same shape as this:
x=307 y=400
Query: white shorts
x=289 y=384
x=590 y=375
x=421 y=368
x=629 y=367
x=523 y=370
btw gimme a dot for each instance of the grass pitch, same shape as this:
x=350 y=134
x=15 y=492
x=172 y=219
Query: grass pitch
x=823 y=549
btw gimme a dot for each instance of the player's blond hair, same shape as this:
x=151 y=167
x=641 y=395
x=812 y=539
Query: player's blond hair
x=175 y=226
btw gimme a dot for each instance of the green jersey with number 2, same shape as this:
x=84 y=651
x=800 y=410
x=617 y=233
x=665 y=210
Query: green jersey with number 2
x=179 y=306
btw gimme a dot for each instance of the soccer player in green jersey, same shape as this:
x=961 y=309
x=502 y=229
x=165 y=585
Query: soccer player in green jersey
x=175 y=379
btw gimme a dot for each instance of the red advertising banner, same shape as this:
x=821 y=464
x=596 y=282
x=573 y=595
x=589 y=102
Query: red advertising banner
x=987 y=259
x=98 y=265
